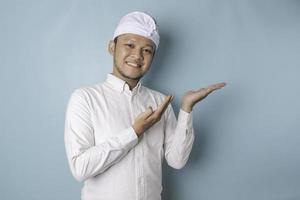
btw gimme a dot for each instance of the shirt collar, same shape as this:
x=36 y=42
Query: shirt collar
x=121 y=85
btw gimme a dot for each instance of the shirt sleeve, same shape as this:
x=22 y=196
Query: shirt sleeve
x=179 y=138
x=84 y=157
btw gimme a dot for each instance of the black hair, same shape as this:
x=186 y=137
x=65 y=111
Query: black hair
x=115 y=40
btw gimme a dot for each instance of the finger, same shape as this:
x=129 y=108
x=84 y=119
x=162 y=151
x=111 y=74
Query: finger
x=214 y=87
x=147 y=112
x=165 y=104
x=217 y=86
x=161 y=108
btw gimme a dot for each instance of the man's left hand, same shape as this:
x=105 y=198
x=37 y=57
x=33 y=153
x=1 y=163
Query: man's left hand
x=192 y=97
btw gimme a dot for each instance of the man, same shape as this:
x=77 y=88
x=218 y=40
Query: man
x=118 y=132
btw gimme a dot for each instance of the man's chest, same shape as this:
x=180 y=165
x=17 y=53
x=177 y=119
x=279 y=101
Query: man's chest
x=112 y=115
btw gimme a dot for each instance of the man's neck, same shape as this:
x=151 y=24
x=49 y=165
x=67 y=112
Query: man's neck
x=131 y=82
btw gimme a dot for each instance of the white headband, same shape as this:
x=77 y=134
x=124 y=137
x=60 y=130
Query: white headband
x=138 y=23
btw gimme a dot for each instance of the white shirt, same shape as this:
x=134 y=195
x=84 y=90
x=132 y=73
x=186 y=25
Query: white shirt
x=104 y=151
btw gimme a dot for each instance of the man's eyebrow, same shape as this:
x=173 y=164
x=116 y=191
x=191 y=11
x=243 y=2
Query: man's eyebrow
x=129 y=40
x=149 y=45
x=133 y=40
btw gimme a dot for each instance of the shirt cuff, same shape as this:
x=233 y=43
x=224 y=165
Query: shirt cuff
x=128 y=138
x=185 y=118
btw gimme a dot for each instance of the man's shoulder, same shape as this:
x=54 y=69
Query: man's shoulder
x=88 y=91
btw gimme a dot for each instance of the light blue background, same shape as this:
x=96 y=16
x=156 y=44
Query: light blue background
x=247 y=135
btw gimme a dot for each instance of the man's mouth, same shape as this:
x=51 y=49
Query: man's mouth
x=133 y=64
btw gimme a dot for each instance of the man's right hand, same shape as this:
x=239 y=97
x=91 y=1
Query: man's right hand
x=148 y=118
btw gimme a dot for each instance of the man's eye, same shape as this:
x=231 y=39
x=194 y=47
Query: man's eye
x=129 y=45
x=148 y=51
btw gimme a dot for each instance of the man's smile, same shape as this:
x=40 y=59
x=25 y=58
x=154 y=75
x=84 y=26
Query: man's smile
x=133 y=64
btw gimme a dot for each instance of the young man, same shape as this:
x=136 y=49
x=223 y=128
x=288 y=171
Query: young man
x=118 y=132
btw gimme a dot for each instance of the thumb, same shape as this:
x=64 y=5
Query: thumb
x=148 y=112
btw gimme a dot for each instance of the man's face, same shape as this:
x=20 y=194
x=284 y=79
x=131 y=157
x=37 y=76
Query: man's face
x=133 y=55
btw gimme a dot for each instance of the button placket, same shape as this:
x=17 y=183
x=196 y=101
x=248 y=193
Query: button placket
x=138 y=154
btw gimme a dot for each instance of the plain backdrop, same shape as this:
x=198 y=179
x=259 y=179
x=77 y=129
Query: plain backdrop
x=247 y=134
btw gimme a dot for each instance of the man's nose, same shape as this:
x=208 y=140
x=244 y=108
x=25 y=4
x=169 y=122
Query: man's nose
x=137 y=53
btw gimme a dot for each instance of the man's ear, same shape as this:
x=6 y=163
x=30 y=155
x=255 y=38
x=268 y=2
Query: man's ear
x=111 y=47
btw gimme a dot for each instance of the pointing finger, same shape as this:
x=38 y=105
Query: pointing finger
x=161 y=108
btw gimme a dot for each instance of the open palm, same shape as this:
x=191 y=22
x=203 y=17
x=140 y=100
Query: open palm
x=192 y=97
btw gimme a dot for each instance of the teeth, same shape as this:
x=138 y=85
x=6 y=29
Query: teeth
x=132 y=64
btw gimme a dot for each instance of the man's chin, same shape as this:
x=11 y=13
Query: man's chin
x=131 y=76
x=134 y=77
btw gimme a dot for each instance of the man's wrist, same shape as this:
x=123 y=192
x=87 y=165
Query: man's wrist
x=186 y=108
x=136 y=130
